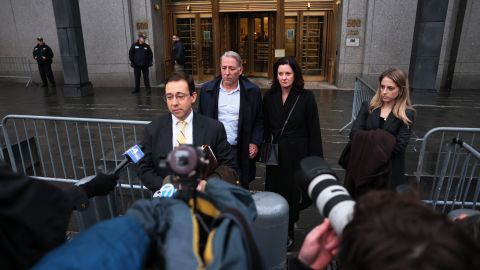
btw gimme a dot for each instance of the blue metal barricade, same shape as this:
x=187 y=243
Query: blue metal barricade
x=362 y=92
x=63 y=150
x=15 y=67
x=448 y=170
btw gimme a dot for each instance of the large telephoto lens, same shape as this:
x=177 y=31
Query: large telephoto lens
x=332 y=199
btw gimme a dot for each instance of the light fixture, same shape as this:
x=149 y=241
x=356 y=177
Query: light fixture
x=308 y=5
x=188 y=7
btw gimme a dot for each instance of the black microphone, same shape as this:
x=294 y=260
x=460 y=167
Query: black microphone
x=133 y=155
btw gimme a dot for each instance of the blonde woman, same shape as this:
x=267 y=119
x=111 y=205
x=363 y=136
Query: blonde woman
x=390 y=109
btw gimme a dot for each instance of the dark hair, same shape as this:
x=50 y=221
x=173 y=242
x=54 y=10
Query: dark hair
x=298 y=82
x=182 y=76
x=396 y=231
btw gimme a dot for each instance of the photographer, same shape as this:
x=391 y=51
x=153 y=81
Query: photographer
x=35 y=214
x=391 y=231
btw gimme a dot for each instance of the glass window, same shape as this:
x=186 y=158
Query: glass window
x=290 y=35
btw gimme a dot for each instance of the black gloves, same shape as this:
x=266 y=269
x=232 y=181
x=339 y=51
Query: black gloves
x=101 y=185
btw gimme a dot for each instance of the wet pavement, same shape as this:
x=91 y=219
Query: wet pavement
x=461 y=108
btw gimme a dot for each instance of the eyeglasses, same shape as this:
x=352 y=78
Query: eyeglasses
x=179 y=97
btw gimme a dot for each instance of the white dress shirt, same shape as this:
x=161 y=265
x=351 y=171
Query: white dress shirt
x=229 y=111
x=188 y=129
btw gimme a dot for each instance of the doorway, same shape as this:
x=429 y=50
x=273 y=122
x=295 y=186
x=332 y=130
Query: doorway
x=196 y=34
x=254 y=38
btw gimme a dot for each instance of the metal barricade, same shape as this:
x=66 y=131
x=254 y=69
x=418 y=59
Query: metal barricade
x=63 y=150
x=362 y=92
x=448 y=171
x=15 y=67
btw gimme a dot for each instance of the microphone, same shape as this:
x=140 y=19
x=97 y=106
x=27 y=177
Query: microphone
x=133 y=155
x=167 y=191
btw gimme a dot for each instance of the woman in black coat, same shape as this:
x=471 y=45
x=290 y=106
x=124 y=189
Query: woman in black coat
x=390 y=109
x=301 y=136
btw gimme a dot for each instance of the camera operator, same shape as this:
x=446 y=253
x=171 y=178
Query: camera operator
x=391 y=231
x=183 y=126
x=382 y=230
x=34 y=214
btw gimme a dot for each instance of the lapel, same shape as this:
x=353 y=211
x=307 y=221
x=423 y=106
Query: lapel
x=243 y=111
x=165 y=136
x=198 y=130
x=375 y=119
x=389 y=121
x=278 y=105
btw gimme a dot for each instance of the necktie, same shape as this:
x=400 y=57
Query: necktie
x=181 y=139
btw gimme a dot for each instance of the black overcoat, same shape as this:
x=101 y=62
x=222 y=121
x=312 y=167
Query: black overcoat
x=397 y=128
x=250 y=122
x=301 y=138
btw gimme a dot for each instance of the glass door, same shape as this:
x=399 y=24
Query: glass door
x=255 y=43
x=186 y=30
x=196 y=34
x=312 y=46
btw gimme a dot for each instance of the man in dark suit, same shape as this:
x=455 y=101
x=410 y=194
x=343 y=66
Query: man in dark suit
x=237 y=103
x=181 y=126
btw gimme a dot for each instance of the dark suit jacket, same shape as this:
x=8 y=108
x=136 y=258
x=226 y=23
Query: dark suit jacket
x=157 y=144
x=397 y=128
x=250 y=122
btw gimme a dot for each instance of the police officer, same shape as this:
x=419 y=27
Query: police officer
x=44 y=54
x=141 y=58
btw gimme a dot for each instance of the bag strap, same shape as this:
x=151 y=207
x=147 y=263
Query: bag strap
x=288 y=117
x=255 y=260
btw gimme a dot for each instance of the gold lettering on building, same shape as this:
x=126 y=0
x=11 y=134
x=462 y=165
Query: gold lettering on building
x=142 y=25
x=354 y=22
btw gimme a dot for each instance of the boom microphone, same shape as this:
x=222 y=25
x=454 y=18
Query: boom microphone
x=133 y=155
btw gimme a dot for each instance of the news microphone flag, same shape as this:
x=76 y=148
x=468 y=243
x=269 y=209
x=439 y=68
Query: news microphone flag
x=134 y=154
x=167 y=191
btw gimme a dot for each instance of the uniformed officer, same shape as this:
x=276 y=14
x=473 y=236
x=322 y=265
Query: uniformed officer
x=44 y=54
x=141 y=58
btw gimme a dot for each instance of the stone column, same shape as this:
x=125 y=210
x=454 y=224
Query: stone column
x=72 y=49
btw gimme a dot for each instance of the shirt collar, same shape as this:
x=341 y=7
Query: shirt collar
x=234 y=90
x=189 y=118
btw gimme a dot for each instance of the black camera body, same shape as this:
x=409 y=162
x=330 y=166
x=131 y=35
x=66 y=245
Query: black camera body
x=185 y=164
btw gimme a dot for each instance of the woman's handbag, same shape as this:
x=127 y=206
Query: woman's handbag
x=269 y=153
x=343 y=160
x=269 y=150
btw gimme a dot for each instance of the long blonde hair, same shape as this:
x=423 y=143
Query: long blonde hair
x=402 y=102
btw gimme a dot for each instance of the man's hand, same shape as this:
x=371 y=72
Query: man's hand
x=320 y=246
x=253 y=150
x=202 y=184
x=101 y=185
x=44 y=57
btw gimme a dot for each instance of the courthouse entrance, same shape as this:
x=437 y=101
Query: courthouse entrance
x=253 y=41
x=260 y=31
x=196 y=33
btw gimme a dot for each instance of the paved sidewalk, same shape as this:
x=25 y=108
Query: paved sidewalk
x=460 y=109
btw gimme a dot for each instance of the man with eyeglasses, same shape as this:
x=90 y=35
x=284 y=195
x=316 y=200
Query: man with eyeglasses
x=236 y=102
x=182 y=126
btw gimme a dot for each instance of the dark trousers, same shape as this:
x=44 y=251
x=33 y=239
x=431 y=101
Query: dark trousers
x=146 y=81
x=46 y=72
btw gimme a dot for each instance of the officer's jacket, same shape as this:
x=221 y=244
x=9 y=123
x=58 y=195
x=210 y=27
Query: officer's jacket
x=140 y=55
x=41 y=51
